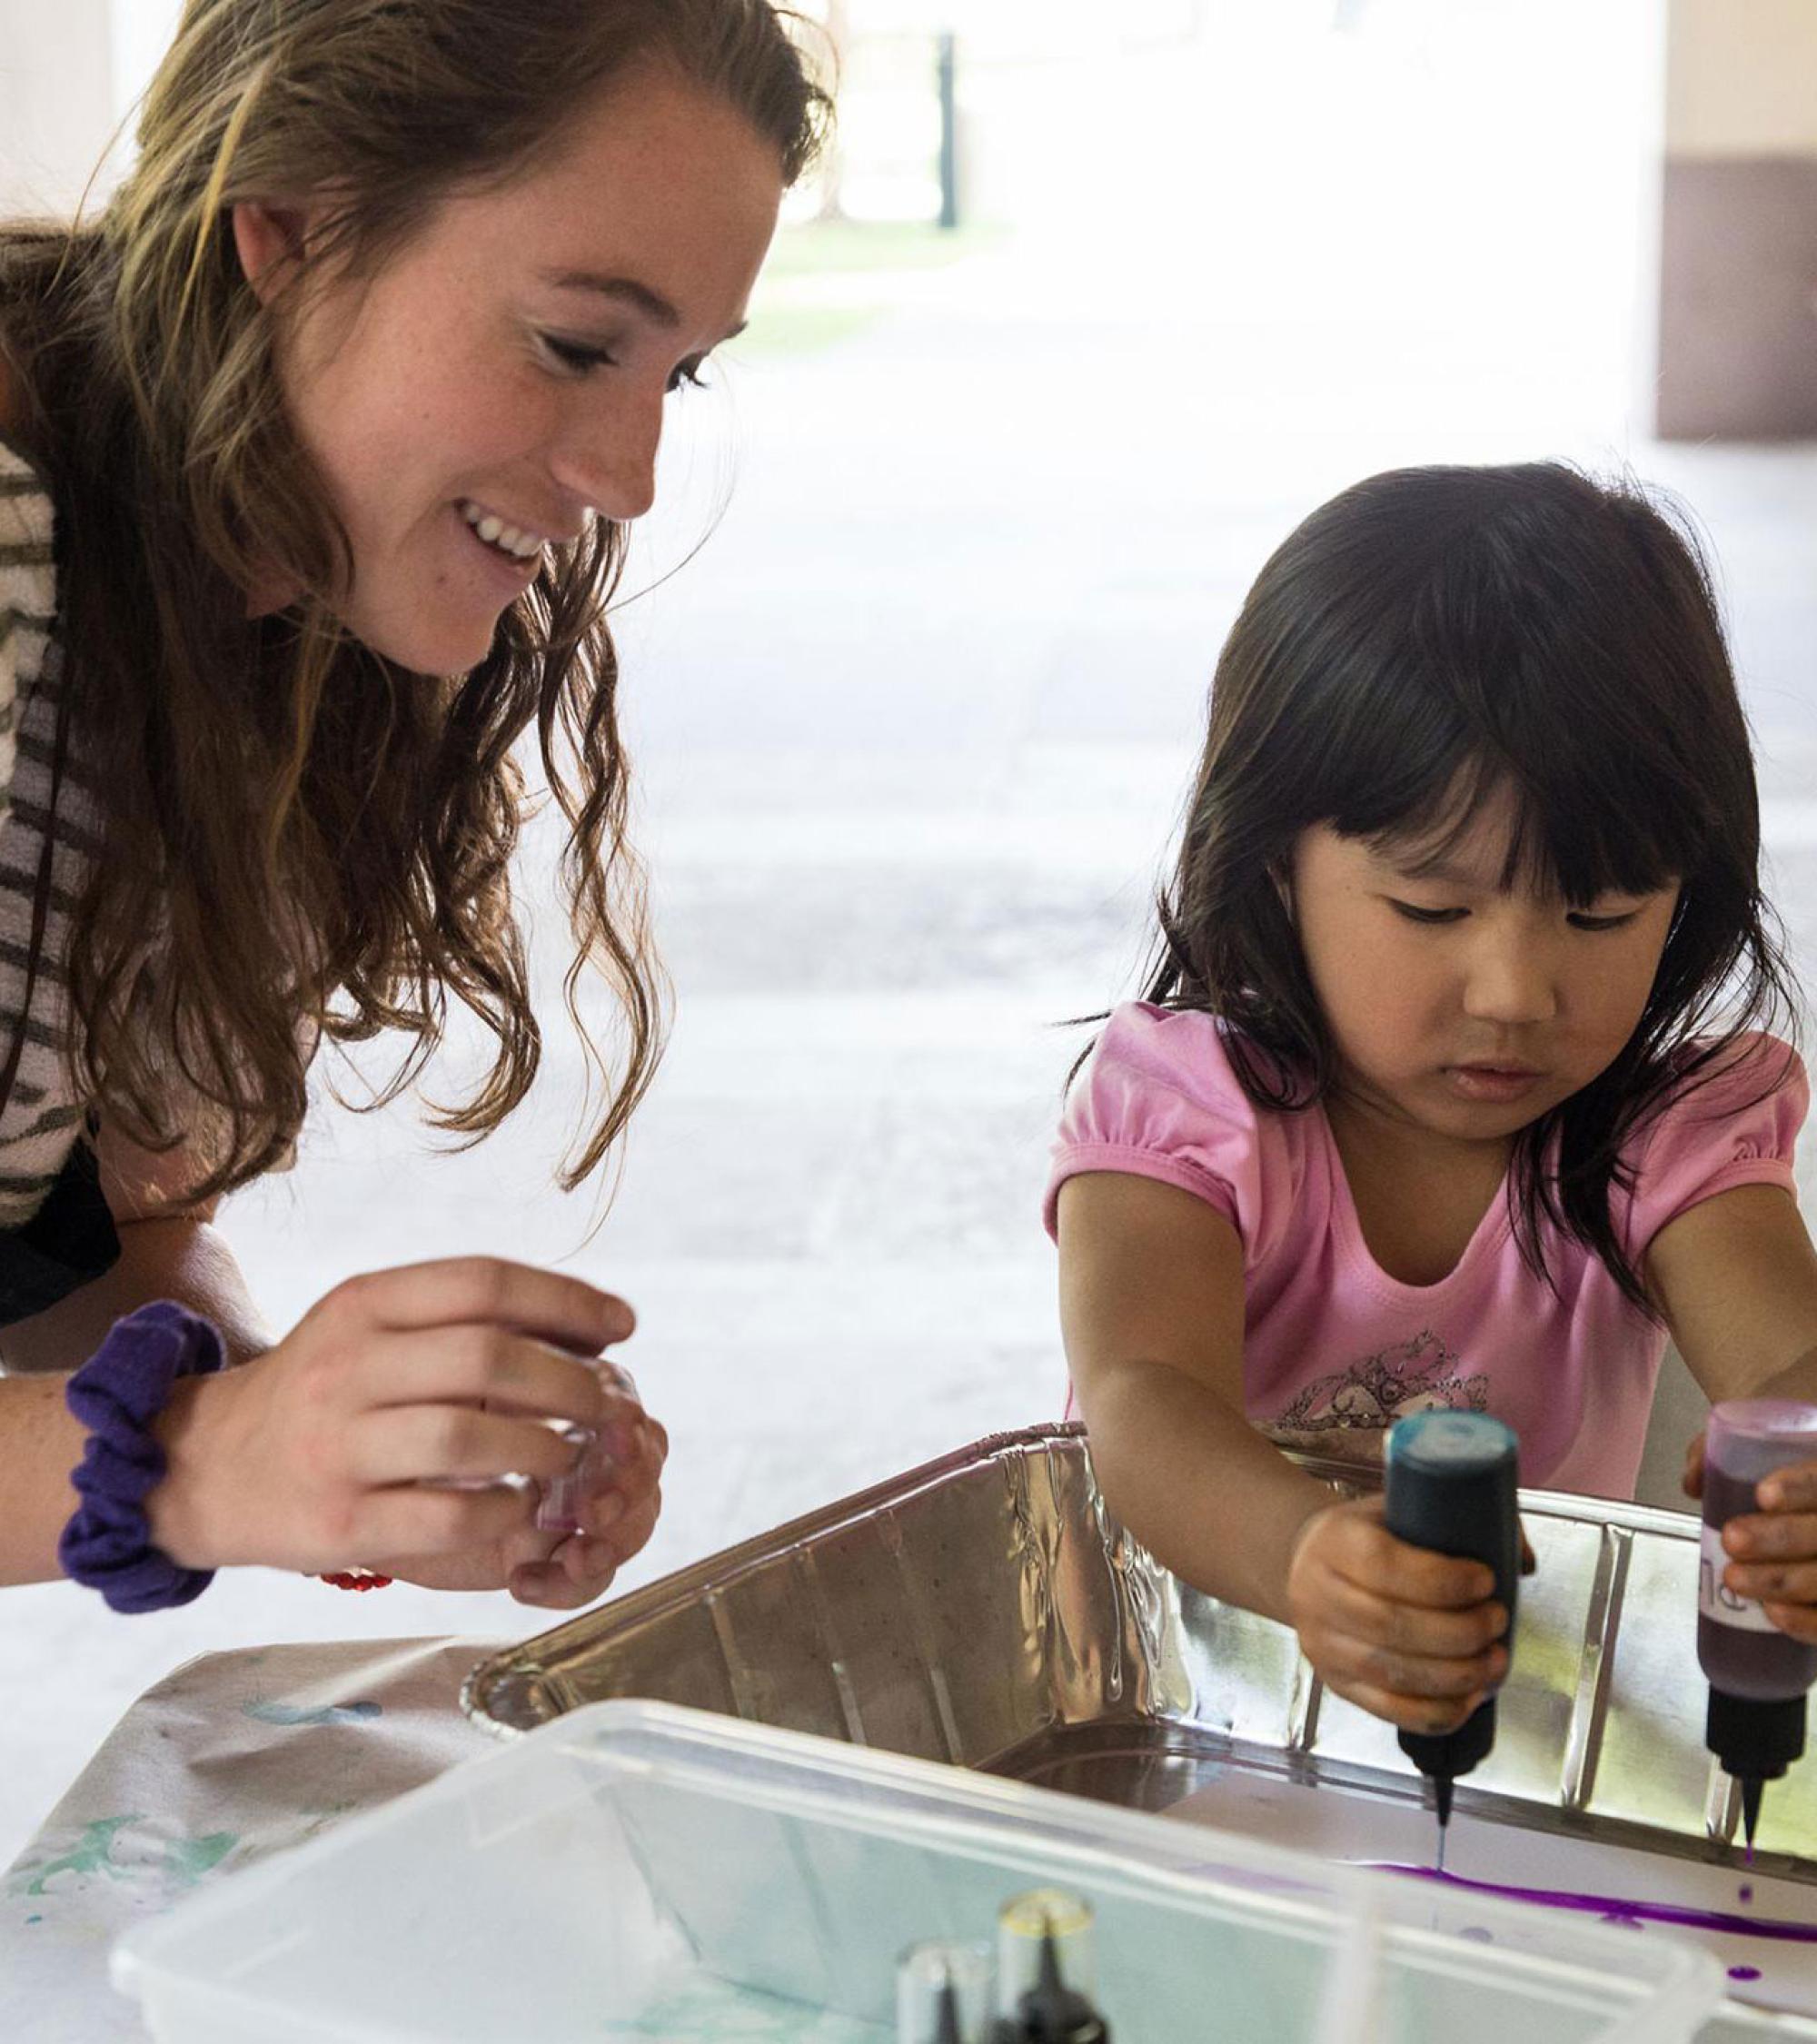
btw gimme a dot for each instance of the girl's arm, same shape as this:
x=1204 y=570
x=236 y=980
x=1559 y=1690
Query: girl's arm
x=1151 y=1302
x=1737 y=1279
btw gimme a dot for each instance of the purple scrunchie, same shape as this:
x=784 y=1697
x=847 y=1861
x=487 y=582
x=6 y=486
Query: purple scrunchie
x=116 y=1394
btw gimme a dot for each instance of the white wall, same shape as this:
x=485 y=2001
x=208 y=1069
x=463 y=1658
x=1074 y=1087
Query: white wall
x=57 y=100
x=142 y=31
x=69 y=73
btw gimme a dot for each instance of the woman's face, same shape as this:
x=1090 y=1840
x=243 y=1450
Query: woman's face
x=501 y=382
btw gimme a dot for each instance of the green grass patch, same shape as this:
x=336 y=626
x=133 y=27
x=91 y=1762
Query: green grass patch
x=827 y=280
x=779 y=330
x=822 y=247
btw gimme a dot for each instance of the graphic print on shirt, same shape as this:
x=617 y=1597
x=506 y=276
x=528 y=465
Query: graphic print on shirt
x=1346 y=1414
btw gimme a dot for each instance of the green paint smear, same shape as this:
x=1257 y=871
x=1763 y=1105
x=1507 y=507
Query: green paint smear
x=183 y=1863
x=188 y=1858
x=90 y=1856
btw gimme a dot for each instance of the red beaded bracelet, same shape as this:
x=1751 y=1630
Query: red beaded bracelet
x=356 y=1579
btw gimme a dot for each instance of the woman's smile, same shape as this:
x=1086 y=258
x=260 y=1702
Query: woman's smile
x=505 y=568
x=520 y=541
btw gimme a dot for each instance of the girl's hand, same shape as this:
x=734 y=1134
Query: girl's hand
x=1774 y=1551
x=1412 y=1636
x=332 y=1448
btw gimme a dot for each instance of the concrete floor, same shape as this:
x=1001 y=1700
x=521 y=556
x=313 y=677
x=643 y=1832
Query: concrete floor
x=912 y=733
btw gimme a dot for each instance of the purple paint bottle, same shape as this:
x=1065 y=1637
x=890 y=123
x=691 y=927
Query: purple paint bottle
x=1758 y=1674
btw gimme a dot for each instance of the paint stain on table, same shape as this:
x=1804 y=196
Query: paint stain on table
x=1621 y=1909
x=292 y=1714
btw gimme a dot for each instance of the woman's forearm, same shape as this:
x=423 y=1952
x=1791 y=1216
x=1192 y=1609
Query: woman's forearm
x=40 y=1442
x=1195 y=1482
x=185 y=1260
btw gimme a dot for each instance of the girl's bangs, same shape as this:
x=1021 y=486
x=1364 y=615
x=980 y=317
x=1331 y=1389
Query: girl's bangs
x=1573 y=833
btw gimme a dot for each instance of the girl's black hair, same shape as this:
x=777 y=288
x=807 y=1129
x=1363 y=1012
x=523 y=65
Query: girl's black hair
x=1426 y=640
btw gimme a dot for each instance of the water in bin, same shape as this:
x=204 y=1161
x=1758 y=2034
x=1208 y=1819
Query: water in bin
x=642 y=1871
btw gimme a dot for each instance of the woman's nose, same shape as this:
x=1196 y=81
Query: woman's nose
x=610 y=459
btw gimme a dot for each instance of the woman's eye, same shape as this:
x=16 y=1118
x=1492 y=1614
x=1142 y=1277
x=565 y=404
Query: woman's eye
x=576 y=355
x=1578 y=921
x=1418 y=915
x=689 y=376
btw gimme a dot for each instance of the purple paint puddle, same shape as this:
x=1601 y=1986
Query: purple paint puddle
x=1744 y=1972
x=1613 y=1908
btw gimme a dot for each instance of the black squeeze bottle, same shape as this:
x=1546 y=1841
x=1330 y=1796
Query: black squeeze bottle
x=1452 y=1482
x=1046 y=2009
x=1051 y=2012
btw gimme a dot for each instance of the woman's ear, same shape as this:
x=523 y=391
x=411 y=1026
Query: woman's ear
x=269 y=240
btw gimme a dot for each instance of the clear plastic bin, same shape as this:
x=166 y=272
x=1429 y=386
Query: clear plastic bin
x=637 y=1870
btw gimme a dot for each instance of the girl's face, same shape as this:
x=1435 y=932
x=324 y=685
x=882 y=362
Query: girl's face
x=1457 y=1007
x=501 y=382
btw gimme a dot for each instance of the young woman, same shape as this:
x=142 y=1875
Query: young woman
x=316 y=451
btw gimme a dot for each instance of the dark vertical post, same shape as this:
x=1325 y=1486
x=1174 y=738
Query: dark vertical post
x=947 y=44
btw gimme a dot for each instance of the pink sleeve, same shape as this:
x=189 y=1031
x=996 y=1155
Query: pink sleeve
x=1736 y=1128
x=1157 y=1098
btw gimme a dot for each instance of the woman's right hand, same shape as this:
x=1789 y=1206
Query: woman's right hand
x=1412 y=1636
x=328 y=1448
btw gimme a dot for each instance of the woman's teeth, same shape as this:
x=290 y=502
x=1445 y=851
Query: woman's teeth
x=495 y=532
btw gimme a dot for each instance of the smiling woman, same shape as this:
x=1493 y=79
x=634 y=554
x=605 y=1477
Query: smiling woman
x=316 y=451
x=498 y=384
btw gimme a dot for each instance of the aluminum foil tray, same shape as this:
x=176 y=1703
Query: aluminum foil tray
x=988 y=1611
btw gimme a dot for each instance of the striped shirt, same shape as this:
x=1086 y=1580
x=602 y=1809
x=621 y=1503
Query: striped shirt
x=42 y=1117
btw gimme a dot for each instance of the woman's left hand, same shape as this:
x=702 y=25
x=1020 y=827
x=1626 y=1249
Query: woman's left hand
x=1773 y=1552
x=563 y=1571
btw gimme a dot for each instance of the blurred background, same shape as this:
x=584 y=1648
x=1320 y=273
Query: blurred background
x=1092 y=304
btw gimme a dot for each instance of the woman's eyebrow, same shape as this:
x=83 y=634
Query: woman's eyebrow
x=626 y=290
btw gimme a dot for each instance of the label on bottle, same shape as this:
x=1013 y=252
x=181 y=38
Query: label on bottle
x=1714 y=1601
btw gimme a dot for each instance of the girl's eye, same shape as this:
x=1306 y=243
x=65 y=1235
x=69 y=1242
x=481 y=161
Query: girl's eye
x=1415 y=915
x=690 y=376
x=1602 y=922
x=576 y=356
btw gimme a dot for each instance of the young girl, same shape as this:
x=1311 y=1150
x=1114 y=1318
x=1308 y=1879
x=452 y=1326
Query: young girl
x=1447 y=1090
x=316 y=451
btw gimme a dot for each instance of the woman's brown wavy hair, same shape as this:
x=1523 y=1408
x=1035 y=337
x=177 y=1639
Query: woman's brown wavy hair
x=300 y=836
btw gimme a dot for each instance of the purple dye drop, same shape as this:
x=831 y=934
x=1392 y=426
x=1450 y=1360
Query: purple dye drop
x=1614 y=1908
x=1747 y=1891
x=1744 y=1972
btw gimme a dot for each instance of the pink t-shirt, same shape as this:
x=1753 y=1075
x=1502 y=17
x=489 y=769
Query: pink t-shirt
x=1334 y=1349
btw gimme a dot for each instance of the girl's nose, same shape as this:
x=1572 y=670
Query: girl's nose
x=1510 y=984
